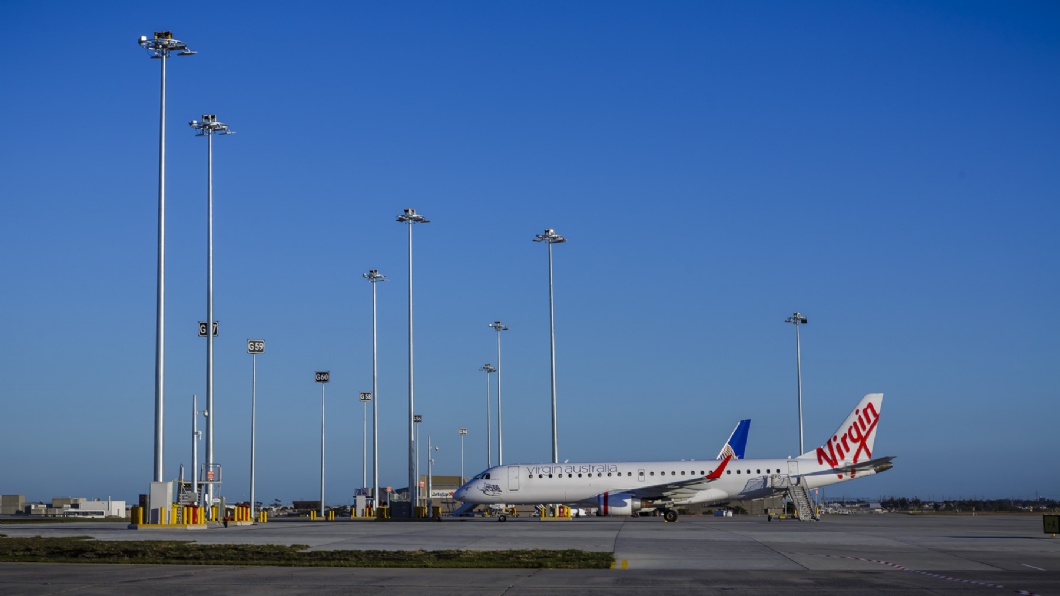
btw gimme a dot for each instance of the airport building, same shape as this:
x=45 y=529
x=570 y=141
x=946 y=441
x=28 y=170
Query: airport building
x=62 y=507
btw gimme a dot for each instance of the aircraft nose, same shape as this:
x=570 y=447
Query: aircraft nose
x=460 y=493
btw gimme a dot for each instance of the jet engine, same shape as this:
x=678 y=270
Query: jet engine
x=618 y=504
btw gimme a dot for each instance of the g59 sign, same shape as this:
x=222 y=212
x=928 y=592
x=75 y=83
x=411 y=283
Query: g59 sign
x=323 y=376
x=255 y=346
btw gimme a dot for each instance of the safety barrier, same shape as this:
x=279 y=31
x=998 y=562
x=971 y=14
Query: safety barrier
x=368 y=512
x=176 y=515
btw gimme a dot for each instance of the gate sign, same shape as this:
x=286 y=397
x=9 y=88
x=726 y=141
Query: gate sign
x=366 y=396
x=202 y=328
x=323 y=376
x=255 y=346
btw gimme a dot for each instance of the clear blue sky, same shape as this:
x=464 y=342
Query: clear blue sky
x=890 y=169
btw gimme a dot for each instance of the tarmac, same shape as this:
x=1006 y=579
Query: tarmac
x=855 y=554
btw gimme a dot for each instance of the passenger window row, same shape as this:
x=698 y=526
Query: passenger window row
x=652 y=473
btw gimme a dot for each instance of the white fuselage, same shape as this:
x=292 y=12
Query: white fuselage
x=520 y=484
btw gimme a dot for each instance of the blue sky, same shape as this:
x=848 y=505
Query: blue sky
x=890 y=169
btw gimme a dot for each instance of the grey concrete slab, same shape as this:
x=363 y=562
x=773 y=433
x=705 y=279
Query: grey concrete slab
x=839 y=555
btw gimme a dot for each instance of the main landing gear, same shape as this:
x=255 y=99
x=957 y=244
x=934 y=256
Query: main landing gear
x=670 y=515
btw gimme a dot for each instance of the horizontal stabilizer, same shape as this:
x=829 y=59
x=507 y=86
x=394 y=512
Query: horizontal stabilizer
x=876 y=465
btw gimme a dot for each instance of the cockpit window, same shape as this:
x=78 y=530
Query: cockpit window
x=482 y=476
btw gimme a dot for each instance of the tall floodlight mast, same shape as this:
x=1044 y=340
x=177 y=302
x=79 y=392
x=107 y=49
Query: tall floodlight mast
x=410 y=217
x=207 y=128
x=551 y=237
x=498 y=327
x=463 y=433
x=375 y=277
x=797 y=319
x=160 y=48
x=488 y=368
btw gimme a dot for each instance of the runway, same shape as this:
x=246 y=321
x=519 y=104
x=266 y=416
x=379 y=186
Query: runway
x=858 y=554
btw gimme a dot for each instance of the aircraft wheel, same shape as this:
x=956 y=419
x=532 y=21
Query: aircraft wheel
x=502 y=518
x=670 y=515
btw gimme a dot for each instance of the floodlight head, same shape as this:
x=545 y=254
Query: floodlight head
x=187 y=52
x=410 y=217
x=193 y=123
x=142 y=40
x=549 y=236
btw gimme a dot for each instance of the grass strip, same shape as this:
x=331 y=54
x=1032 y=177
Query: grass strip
x=83 y=549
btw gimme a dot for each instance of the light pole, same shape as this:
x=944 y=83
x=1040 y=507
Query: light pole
x=410 y=217
x=208 y=127
x=551 y=237
x=375 y=277
x=254 y=347
x=498 y=327
x=160 y=48
x=430 y=473
x=489 y=368
x=797 y=319
x=463 y=433
x=365 y=398
x=322 y=377
x=196 y=434
x=416 y=420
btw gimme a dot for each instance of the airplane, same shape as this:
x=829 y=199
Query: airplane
x=624 y=488
x=734 y=447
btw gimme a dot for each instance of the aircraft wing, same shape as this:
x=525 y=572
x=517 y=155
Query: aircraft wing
x=682 y=489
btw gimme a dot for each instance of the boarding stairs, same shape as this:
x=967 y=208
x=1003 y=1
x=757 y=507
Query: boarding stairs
x=185 y=496
x=797 y=493
x=801 y=498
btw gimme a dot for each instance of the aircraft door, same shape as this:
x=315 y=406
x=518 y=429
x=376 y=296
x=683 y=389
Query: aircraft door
x=513 y=477
x=640 y=475
x=793 y=468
